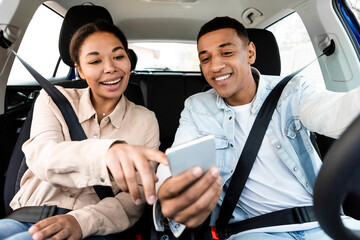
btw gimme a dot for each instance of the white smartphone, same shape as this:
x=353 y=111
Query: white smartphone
x=199 y=152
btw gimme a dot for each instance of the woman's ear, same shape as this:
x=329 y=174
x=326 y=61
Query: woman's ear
x=78 y=68
x=251 y=53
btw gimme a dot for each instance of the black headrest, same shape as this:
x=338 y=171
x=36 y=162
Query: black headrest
x=133 y=59
x=76 y=17
x=267 y=51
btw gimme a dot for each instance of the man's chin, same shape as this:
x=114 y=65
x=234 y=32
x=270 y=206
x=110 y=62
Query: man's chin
x=223 y=93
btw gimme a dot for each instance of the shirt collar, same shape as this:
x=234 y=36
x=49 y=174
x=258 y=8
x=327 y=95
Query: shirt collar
x=117 y=116
x=220 y=103
x=260 y=91
x=87 y=111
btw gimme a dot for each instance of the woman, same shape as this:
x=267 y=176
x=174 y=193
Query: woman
x=121 y=140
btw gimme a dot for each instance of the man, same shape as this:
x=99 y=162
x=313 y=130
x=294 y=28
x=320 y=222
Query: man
x=285 y=168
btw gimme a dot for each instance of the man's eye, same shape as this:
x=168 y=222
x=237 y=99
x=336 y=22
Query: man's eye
x=119 y=57
x=227 y=53
x=204 y=60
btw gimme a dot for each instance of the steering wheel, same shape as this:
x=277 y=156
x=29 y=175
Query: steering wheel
x=338 y=182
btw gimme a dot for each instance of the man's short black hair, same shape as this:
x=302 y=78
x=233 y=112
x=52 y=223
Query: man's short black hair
x=224 y=22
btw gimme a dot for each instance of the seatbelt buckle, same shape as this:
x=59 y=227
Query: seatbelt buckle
x=214 y=233
x=47 y=211
x=301 y=214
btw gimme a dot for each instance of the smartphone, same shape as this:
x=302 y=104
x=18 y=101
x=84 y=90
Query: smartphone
x=199 y=152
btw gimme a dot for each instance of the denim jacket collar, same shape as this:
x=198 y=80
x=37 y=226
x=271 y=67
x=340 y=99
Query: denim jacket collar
x=261 y=93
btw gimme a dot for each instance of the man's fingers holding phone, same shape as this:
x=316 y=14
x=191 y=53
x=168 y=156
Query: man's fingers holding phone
x=180 y=192
x=173 y=186
x=197 y=212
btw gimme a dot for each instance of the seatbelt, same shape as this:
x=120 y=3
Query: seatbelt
x=76 y=131
x=250 y=150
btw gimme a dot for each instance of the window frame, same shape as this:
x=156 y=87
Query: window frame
x=349 y=22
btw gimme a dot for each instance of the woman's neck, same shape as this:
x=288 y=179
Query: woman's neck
x=103 y=107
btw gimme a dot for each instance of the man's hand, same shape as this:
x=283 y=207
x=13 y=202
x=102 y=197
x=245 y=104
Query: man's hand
x=124 y=160
x=56 y=228
x=190 y=197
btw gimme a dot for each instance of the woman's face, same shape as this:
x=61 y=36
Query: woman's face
x=104 y=65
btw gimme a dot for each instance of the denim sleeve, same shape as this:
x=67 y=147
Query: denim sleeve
x=163 y=173
x=176 y=228
x=186 y=131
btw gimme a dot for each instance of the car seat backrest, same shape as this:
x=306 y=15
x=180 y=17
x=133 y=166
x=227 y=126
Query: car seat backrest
x=76 y=17
x=133 y=59
x=17 y=165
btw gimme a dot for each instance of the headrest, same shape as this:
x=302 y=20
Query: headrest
x=267 y=51
x=76 y=17
x=133 y=59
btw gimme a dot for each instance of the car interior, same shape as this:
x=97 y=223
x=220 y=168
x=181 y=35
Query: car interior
x=160 y=88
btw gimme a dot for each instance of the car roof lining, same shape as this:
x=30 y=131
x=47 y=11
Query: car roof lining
x=181 y=20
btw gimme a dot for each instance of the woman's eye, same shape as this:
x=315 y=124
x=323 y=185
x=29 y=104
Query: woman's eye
x=95 y=62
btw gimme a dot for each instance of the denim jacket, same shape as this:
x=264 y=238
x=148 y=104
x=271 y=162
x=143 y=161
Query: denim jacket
x=302 y=107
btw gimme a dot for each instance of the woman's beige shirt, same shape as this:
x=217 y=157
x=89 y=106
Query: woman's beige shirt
x=62 y=172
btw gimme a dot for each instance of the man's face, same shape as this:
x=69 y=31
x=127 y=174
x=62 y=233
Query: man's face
x=225 y=61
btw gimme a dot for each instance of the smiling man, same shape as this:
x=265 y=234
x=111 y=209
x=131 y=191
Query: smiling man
x=286 y=165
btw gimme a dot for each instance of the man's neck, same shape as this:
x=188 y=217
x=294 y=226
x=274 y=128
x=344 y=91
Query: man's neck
x=246 y=95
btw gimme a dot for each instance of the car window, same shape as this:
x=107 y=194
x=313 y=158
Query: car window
x=354 y=6
x=349 y=13
x=165 y=56
x=296 y=49
x=39 y=48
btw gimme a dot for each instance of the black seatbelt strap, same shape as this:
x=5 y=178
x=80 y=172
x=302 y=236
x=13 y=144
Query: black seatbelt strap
x=76 y=131
x=296 y=215
x=250 y=151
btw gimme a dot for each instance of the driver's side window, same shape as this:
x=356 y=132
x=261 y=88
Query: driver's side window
x=296 y=49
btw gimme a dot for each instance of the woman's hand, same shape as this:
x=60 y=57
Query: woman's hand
x=124 y=160
x=57 y=227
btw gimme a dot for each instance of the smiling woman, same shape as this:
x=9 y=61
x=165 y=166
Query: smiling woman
x=99 y=54
x=63 y=172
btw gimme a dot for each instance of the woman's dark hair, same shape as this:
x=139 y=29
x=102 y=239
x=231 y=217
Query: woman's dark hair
x=83 y=32
x=221 y=23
